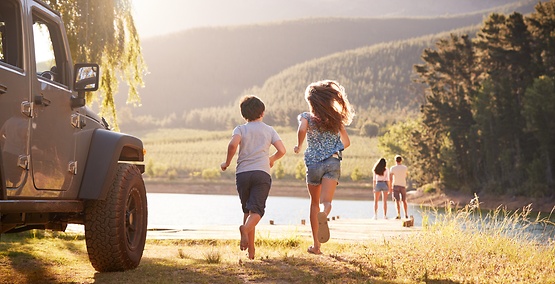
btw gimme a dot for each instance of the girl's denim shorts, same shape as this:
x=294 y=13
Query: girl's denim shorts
x=329 y=168
x=381 y=186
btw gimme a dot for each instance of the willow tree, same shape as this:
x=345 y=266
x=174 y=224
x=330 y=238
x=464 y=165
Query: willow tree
x=103 y=31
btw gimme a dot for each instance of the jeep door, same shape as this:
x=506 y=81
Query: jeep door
x=14 y=96
x=52 y=134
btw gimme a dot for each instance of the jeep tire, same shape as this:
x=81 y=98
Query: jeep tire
x=115 y=228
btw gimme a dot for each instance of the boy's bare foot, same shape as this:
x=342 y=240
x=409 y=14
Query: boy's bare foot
x=251 y=253
x=244 y=238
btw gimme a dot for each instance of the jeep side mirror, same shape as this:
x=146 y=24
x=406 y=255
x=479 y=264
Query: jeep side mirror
x=86 y=76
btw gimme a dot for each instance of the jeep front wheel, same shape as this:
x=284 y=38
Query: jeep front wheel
x=115 y=228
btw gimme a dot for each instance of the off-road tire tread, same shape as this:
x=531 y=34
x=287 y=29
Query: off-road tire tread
x=105 y=231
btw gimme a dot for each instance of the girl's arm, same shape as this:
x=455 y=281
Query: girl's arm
x=344 y=137
x=231 y=149
x=301 y=134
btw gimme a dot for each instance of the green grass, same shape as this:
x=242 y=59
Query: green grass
x=455 y=248
x=177 y=153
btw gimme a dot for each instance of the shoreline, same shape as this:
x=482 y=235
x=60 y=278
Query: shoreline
x=359 y=191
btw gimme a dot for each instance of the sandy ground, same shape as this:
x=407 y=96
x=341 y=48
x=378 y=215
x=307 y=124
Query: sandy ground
x=340 y=229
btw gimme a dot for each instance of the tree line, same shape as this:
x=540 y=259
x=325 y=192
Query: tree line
x=487 y=123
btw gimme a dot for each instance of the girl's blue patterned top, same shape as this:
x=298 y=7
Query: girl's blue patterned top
x=321 y=144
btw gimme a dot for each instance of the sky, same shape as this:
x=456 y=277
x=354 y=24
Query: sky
x=159 y=17
x=167 y=16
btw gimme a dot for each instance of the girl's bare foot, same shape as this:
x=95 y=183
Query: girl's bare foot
x=313 y=250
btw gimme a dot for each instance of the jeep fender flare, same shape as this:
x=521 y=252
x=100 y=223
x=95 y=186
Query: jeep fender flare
x=106 y=150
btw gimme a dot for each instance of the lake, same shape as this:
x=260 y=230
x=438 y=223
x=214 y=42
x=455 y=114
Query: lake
x=182 y=210
x=190 y=211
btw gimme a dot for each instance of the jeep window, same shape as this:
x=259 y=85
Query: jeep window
x=10 y=34
x=48 y=51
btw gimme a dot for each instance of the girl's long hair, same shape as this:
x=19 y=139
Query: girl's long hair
x=329 y=105
x=379 y=167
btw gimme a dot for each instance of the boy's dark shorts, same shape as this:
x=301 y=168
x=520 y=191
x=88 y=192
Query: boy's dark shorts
x=253 y=188
x=400 y=190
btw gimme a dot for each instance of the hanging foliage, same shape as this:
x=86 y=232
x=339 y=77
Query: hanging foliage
x=104 y=32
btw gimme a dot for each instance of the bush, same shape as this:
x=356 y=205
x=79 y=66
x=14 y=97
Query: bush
x=369 y=129
x=357 y=174
x=279 y=170
x=172 y=174
x=210 y=173
x=429 y=188
x=300 y=170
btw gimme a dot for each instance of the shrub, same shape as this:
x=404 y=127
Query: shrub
x=369 y=129
x=172 y=174
x=279 y=170
x=429 y=188
x=300 y=170
x=210 y=173
x=357 y=174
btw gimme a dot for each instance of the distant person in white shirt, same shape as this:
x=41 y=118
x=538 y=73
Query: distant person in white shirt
x=398 y=177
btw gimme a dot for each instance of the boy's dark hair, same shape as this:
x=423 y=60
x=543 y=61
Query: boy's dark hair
x=252 y=108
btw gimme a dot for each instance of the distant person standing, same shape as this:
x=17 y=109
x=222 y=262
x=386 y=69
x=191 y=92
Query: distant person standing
x=398 y=174
x=381 y=186
x=253 y=178
x=324 y=129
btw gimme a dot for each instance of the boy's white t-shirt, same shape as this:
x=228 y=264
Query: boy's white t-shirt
x=399 y=173
x=254 y=149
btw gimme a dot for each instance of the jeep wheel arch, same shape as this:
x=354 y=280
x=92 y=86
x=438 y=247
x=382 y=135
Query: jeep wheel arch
x=107 y=148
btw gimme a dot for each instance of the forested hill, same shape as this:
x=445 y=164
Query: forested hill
x=378 y=80
x=211 y=67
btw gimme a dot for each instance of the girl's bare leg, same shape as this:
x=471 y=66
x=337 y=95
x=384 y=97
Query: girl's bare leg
x=385 y=194
x=314 y=192
x=326 y=194
x=376 y=201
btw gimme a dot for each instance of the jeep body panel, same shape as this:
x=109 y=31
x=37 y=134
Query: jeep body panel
x=36 y=130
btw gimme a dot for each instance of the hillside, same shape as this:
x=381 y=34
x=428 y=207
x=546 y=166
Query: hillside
x=378 y=80
x=212 y=67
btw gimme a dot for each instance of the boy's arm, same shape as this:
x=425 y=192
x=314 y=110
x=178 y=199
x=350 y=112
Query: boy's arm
x=301 y=134
x=231 y=149
x=280 y=152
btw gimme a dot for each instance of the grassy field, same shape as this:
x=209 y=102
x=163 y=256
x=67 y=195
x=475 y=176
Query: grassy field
x=177 y=153
x=443 y=252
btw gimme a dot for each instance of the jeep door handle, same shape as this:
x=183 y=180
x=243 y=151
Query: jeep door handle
x=40 y=100
x=3 y=89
